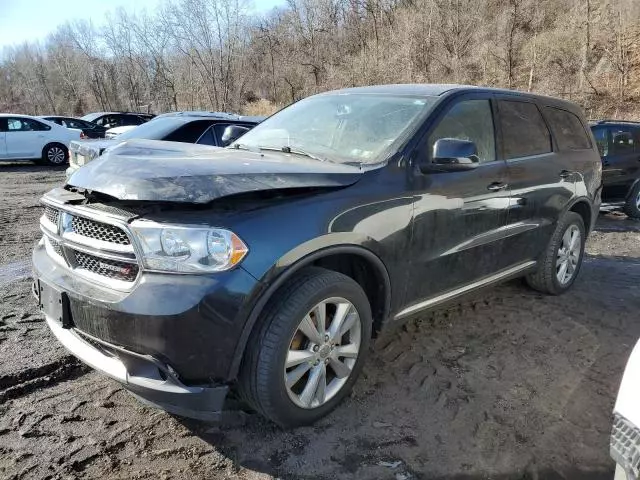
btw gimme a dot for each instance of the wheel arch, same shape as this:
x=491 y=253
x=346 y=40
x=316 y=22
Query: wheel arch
x=355 y=261
x=584 y=208
x=51 y=144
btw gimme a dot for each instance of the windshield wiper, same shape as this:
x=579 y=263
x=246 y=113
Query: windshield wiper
x=242 y=146
x=294 y=151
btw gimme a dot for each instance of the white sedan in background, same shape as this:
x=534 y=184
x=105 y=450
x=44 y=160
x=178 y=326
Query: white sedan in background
x=23 y=137
x=625 y=438
x=115 y=131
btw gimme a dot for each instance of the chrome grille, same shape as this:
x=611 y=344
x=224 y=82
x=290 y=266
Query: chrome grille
x=99 y=231
x=98 y=250
x=115 y=269
x=51 y=214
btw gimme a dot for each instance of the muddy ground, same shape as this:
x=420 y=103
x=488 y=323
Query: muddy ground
x=508 y=384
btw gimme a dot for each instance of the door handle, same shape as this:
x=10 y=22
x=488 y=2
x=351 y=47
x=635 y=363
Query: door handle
x=497 y=186
x=565 y=173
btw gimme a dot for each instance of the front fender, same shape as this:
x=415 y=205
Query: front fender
x=293 y=261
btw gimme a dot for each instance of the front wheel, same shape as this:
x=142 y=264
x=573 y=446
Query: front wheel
x=560 y=263
x=55 y=154
x=309 y=348
x=632 y=205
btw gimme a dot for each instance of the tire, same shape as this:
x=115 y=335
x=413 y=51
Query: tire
x=546 y=278
x=55 y=154
x=632 y=205
x=262 y=374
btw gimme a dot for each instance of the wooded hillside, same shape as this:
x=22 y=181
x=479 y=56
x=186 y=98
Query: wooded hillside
x=214 y=55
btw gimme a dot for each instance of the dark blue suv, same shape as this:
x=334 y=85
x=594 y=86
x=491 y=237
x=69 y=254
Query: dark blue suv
x=263 y=269
x=619 y=145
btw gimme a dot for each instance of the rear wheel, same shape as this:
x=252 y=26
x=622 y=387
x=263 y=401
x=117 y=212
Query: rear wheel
x=55 y=154
x=560 y=263
x=309 y=348
x=632 y=205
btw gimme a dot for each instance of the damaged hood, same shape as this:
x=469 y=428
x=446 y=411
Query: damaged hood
x=152 y=170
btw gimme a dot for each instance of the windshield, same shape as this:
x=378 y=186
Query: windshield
x=345 y=128
x=156 y=129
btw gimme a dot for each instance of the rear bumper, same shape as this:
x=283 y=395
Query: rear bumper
x=144 y=376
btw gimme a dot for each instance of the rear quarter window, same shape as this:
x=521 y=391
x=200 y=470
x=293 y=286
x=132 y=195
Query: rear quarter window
x=524 y=132
x=568 y=129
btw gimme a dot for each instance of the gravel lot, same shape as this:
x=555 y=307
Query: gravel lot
x=509 y=384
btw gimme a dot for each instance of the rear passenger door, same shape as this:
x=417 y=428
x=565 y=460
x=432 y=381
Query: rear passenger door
x=539 y=177
x=3 y=130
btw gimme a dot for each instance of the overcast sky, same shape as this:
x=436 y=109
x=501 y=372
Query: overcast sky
x=22 y=20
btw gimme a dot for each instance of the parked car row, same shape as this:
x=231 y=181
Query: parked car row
x=203 y=128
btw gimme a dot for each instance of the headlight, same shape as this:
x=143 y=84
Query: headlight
x=173 y=248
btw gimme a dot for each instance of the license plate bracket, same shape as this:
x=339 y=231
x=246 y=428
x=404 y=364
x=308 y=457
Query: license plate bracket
x=54 y=304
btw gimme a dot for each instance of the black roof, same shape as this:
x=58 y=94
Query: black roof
x=445 y=89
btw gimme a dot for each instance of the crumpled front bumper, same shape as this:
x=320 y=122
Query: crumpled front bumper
x=144 y=376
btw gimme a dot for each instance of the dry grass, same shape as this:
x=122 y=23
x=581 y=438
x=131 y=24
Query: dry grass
x=262 y=107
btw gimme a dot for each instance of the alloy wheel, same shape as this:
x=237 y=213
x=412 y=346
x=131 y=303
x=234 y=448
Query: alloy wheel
x=55 y=155
x=322 y=352
x=568 y=255
x=638 y=200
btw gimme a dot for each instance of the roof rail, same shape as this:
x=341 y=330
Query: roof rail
x=614 y=121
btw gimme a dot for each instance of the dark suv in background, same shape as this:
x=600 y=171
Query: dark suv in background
x=619 y=146
x=89 y=129
x=266 y=267
x=117 y=119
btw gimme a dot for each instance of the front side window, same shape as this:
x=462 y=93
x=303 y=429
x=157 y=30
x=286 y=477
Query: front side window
x=362 y=128
x=207 y=138
x=568 y=129
x=601 y=134
x=470 y=120
x=524 y=132
x=622 y=140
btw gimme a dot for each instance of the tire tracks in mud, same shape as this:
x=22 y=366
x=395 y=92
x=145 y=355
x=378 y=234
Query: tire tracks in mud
x=27 y=381
x=11 y=272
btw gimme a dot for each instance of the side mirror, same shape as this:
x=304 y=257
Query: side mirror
x=232 y=133
x=452 y=155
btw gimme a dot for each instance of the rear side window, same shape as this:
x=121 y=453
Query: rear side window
x=524 y=132
x=568 y=129
x=623 y=140
x=131 y=120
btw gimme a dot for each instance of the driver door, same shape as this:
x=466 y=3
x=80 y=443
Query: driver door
x=459 y=217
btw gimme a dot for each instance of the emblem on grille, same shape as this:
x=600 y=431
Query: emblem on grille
x=115 y=268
